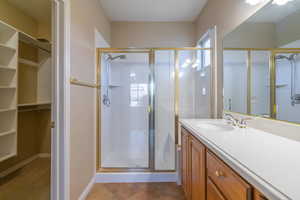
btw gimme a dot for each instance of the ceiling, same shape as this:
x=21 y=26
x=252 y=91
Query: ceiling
x=40 y=10
x=152 y=10
x=273 y=13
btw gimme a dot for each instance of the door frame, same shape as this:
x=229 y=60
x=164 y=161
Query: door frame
x=60 y=159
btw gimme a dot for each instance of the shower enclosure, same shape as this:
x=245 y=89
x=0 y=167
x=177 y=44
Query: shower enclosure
x=139 y=105
x=287 y=73
x=264 y=82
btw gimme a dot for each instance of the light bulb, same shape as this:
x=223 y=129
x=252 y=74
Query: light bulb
x=281 y=2
x=254 y=2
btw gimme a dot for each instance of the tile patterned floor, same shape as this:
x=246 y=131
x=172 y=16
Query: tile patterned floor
x=136 y=191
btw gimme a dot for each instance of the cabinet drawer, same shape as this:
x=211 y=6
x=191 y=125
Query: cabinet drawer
x=230 y=184
x=213 y=192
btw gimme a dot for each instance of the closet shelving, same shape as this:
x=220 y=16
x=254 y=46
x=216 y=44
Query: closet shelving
x=28 y=62
x=34 y=104
x=8 y=91
x=25 y=83
x=34 y=74
x=3 y=68
x=7 y=110
x=7 y=133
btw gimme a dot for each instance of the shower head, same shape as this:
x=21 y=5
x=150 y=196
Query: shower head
x=282 y=57
x=122 y=57
x=291 y=57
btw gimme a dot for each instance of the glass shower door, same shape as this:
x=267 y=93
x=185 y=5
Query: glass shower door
x=125 y=101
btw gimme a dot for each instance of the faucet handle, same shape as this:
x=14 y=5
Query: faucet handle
x=243 y=122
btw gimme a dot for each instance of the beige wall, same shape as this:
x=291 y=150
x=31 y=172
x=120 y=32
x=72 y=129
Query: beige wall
x=288 y=30
x=44 y=31
x=265 y=35
x=252 y=35
x=226 y=15
x=86 y=17
x=18 y=19
x=23 y=22
x=153 y=34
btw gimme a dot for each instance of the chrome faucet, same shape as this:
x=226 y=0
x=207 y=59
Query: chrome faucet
x=242 y=123
x=230 y=119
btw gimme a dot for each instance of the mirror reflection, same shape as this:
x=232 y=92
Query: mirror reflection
x=261 y=61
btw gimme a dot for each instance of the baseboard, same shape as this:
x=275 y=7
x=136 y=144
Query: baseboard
x=87 y=189
x=18 y=166
x=138 y=177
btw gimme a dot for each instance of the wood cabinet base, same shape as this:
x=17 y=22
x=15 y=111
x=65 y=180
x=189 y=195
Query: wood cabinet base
x=206 y=177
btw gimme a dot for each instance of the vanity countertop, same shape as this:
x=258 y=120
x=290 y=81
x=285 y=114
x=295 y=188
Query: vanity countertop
x=269 y=162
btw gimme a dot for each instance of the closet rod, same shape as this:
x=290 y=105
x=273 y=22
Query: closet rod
x=75 y=81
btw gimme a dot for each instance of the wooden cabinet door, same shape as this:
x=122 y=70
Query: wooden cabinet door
x=231 y=185
x=185 y=162
x=213 y=192
x=259 y=196
x=198 y=176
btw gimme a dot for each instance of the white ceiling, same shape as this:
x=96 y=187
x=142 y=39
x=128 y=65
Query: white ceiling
x=273 y=13
x=40 y=10
x=152 y=10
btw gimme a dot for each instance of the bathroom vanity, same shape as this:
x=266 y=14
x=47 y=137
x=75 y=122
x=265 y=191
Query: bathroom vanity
x=222 y=162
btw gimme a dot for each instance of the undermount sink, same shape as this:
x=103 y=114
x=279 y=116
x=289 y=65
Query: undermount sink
x=211 y=126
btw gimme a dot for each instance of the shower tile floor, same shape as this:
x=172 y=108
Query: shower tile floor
x=136 y=191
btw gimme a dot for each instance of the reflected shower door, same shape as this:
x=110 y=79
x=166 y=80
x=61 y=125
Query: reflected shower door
x=125 y=113
x=260 y=83
x=287 y=87
x=235 y=80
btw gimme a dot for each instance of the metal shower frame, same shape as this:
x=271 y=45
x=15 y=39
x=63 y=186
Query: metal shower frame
x=151 y=54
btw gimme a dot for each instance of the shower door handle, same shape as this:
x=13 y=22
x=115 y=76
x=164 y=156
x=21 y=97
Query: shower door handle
x=149 y=109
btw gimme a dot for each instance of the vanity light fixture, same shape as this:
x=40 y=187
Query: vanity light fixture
x=254 y=2
x=281 y=2
x=277 y=2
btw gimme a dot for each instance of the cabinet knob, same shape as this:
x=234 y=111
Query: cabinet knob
x=219 y=173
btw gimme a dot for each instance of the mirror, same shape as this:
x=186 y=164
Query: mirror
x=261 y=60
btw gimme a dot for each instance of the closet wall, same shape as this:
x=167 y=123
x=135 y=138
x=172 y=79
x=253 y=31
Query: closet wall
x=32 y=97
